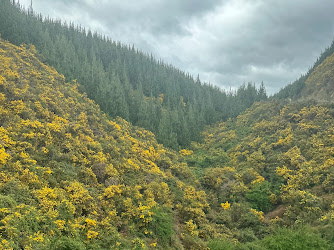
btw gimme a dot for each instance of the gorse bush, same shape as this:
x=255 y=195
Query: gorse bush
x=72 y=179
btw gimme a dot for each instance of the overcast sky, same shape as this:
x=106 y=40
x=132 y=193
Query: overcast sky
x=226 y=42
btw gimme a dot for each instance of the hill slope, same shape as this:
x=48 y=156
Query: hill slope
x=276 y=158
x=301 y=87
x=124 y=81
x=72 y=179
x=320 y=84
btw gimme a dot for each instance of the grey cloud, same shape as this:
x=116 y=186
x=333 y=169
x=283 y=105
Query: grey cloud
x=156 y=17
x=281 y=40
x=227 y=42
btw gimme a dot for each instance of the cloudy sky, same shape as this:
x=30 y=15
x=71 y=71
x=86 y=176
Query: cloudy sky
x=226 y=42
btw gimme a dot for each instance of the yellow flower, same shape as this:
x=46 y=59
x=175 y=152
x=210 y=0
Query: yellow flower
x=38 y=237
x=225 y=205
x=90 y=222
x=154 y=244
x=186 y=152
x=60 y=224
x=92 y=234
x=259 y=214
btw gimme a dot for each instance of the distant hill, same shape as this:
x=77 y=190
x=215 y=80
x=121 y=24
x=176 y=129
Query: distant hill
x=301 y=87
x=126 y=82
x=320 y=83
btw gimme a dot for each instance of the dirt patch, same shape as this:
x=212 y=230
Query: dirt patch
x=277 y=212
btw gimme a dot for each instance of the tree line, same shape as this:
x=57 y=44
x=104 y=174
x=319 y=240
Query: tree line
x=126 y=82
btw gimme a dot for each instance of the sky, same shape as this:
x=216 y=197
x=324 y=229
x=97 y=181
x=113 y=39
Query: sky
x=226 y=42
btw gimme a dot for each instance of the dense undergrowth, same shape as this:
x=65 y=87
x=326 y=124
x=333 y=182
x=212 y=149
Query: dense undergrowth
x=276 y=158
x=73 y=179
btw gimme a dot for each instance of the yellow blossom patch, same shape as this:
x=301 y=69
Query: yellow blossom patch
x=225 y=205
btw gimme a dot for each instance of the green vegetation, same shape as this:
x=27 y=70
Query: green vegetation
x=124 y=81
x=277 y=164
x=319 y=85
x=297 y=239
x=72 y=179
x=75 y=175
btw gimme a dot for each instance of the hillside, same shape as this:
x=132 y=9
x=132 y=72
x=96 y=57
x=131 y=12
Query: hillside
x=88 y=132
x=72 y=179
x=276 y=158
x=301 y=88
x=320 y=84
x=126 y=82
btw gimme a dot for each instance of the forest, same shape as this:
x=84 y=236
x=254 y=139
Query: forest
x=105 y=147
x=124 y=81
